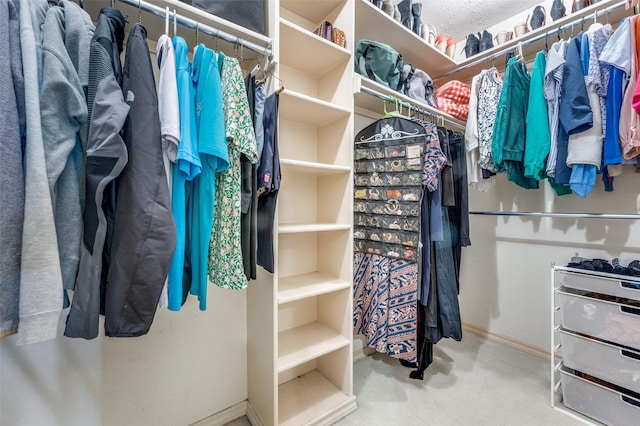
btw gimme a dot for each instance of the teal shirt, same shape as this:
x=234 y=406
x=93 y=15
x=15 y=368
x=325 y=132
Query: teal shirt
x=213 y=153
x=186 y=168
x=538 y=135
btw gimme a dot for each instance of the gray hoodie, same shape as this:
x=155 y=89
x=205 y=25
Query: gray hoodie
x=40 y=276
x=63 y=110
x=11 y=182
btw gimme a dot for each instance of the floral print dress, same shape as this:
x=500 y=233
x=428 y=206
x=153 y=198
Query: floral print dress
x=226 y=269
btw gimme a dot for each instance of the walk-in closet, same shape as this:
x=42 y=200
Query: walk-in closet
x=317 y=212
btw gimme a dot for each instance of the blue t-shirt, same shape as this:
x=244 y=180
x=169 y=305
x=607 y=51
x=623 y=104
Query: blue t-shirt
x=187 y=167
x=212 y=150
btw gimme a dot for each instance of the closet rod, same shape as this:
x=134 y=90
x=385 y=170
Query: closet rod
x=413 y=107
x=191 y=23
x=569 y=215
x=532 y=40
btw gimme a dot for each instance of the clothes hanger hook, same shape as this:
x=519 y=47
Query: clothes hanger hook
x=175 y=23
x=197 y=33
x=139 y=11
x=166 y=21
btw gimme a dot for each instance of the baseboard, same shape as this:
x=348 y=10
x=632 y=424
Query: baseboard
x=253 y=417
x=227 y=415
x=507 y=341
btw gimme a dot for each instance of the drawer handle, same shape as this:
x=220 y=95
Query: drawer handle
x=631 y=285
x=628 y=310
x=630 y=354
x=630 y=400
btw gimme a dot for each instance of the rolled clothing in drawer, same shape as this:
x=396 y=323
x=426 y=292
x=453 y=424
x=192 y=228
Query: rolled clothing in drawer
x=620 y=366
x=615 y=322
x=599 y=402
x=601 y=282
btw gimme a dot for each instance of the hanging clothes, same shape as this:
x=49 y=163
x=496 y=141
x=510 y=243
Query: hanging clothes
x=629 y=118
x=489 y=95
x=537 y=134
x=187 y=167
x=553 y=76
x=268 y=182
x=508 y=139
x=144 y=233
x=212 y=151
x=249 y=195
x=106 y=158
x=384 y=304
x=66 y=38
x=40 y=275
x=225 y=251
x=12 y=189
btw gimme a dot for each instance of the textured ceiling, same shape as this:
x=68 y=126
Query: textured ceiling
x=457 y=18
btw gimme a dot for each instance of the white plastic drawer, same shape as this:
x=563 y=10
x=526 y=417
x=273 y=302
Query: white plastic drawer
x=600 y=282
x=605 y=361
x=614 y=322
x=599 y=402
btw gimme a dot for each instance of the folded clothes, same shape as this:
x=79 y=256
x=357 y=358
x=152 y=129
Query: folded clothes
x=617 y=265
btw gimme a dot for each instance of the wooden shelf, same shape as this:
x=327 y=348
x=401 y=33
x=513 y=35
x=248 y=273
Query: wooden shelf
x=304 y=286
x=307 y=342
x=308 y=399
x=375 y=106
x=373 y=24
x=312 y=11
x=529 y=50
x=305 y=109
x=307 y=52
x=307 y=167
x=312 y=227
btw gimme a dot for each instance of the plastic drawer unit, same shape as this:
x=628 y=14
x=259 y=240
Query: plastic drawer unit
x=611 y=363
x=601 y=282
x=598 y=402
x=604 y=319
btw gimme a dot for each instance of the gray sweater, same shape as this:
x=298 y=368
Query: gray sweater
x=40 y=276
x=11 y=182
x=63 y=110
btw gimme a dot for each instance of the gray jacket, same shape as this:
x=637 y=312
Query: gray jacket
x=40 y=276
x=63 y=108
x=106 y=158
x=11 y=182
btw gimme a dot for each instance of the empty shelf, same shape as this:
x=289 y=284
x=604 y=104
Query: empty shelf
x=305 y=109
x=308 y=285
x=308 y=167
x=307 y=342
x=312 y=227
x=312 y=399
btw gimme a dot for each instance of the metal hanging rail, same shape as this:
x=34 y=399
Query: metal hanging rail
x=191 y=23
x=415 y=108
x=532 y=40
x=565 y=215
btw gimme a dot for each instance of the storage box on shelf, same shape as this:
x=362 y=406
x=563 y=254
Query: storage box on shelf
x=597 y=319
x=310 y=302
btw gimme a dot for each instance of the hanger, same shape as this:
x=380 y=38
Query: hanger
x=520 y=56
x=166 y=21
x=546 y=42
x=386 y=113
x=197 y=33
x=175 y=23
x=139 y=11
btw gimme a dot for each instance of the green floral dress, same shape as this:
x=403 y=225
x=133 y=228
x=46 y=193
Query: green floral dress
x=226 y=269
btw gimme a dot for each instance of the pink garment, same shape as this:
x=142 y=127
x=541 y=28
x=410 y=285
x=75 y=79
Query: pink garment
x=629 y=118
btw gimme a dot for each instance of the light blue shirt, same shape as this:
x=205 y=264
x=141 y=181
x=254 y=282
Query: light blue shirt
x=187 y=167
x=212 y=149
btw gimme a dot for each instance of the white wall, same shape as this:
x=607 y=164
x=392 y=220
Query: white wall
x=191 y=365
x=505 y=278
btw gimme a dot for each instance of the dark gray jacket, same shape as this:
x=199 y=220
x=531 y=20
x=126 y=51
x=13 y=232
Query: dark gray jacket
x=144 y=233
x=106 y=158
